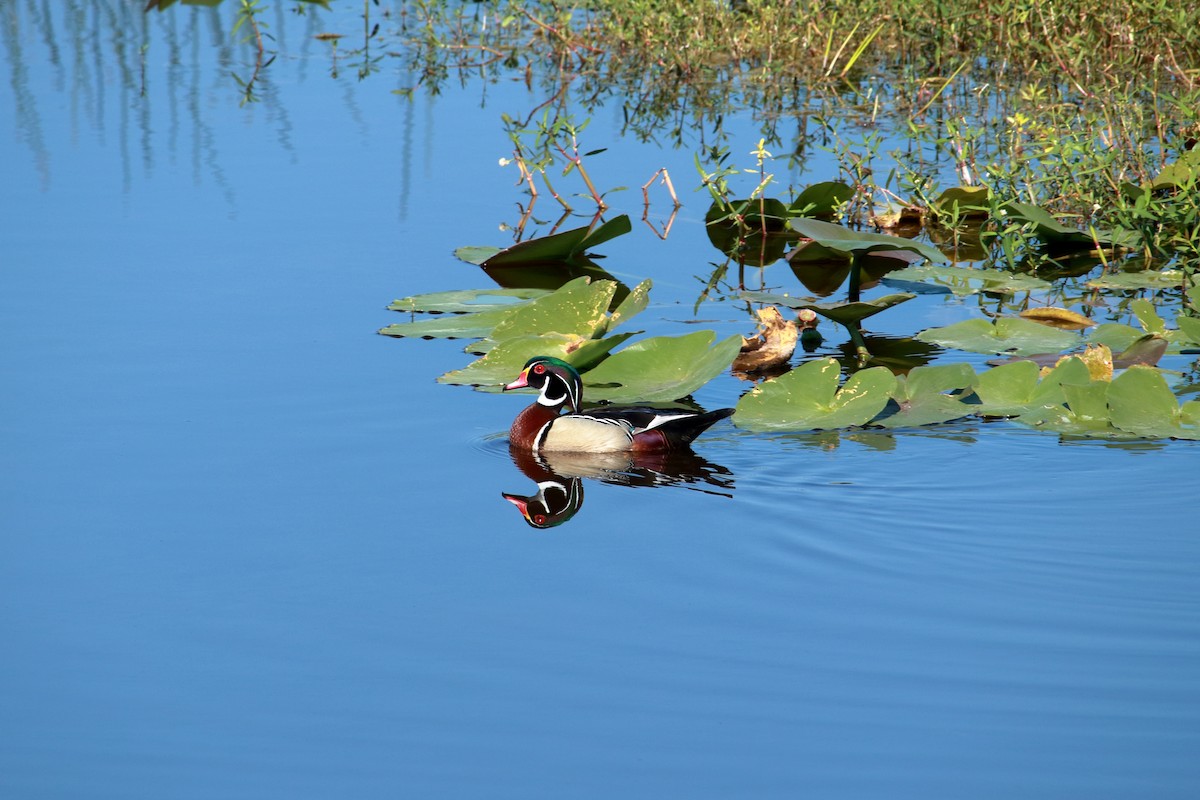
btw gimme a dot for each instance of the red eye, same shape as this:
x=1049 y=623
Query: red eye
x=539 y=368
x=539 y=519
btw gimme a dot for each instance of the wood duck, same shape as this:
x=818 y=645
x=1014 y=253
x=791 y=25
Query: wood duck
x=606 y=429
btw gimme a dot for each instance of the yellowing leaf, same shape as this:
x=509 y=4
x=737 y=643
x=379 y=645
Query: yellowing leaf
x=1058 y=318
x=772 y=345
x=1098 y=359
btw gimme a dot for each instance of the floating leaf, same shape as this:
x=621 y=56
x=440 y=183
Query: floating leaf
x=1053 y=232
x=1189 y=328
x=465 y=301
x=449 y=326
x=1007 y=335
x=1180 y=174
x=922 y=399
x=1147 y=315
x=476 y=254
x=808 y=398
x=1098 y=359
x=1146 y=279
x=634 y=303
x=842 y=313
x=965 y=202
x=969 y=280
x=844 y=240
x=1062 y=318
x=821 y=199
x=1114 y=334
x=1007 y=390
x=1145 y=351
x=580 y=307
x=1140 y=402
x=558 y=248
x=772 y=344
x=662 y=368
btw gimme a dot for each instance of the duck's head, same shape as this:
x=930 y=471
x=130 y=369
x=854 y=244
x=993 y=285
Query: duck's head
x=557 y=382
x=555 y=502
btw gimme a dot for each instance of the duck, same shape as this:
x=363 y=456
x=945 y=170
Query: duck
x=557 y=422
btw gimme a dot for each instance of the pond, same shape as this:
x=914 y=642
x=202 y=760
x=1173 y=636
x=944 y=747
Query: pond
x=253 y=549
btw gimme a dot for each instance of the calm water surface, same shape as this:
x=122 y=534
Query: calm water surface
x=251 y=549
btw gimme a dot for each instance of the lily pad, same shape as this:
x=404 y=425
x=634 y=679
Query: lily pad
x=1180 y=174
x=661 y=369
x=821 y=199
x=843 y=240
x=1140 y=402
x=1130 y=281
x=966 y=202
x=465 y=301
x=580 y=308
x=566 y=247
x=842 y=313
x=1008 y=335
x=507 y=358
x=969 y=280
x=808 y=398
x=449 y=326
x=923 y=399
x=1007 y=390
x=1054 y=233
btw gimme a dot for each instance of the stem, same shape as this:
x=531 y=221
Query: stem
x=855 y=278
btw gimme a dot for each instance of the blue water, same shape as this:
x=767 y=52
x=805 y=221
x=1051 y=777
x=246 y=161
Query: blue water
x=251 y=549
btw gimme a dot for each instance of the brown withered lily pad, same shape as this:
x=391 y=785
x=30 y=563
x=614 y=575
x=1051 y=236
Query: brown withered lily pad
x=772 y=345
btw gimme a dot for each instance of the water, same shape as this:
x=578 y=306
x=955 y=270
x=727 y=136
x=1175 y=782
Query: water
x=251 y=549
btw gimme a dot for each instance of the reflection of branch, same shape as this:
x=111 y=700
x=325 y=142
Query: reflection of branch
x=666 y=231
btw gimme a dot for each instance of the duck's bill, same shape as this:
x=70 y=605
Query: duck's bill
x=520 y=383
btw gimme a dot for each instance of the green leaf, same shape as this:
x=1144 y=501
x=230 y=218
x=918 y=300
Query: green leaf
x=558 y=248
x=1007 y=390
x=505 y=360
x=466 y=300
x=1114 y=334
x=970 y=280
x=1146 y=279
x=476 y=254
x=842 y=313
x=1140 y=402
x=922 y=397
x=1147 y=315
x=1012 y=335
x=634 y=303
x=1053 y=232
x=1189 y=328
x=843 y=240
x=967 y=201
x=1145 y=351
x=821 y=199
x=449 y=326
x=662 y=368
x=579 y=307
x=808 y=398
x=1180 y=174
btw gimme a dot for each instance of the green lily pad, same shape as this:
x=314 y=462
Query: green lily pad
x=968 y=201
x=1131 y=281
x=841 y=313
x=1012 y=335
x=1189 y=329
x=567 y=247
x=465 y=301
x=579 y=307
x=970 y=280
x=821 y=199
x=1180 y=174
x=922 y=396
x=843 y=240
x=808 y=398
x=661 y=369
x=1141 y=403
x=1007 y=390
x=449 y=326
x=1115 y=335
x=505 y=360
x=1054 y=233
x=634 y=303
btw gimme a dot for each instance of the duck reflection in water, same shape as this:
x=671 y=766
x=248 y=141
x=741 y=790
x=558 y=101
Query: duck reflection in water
x=559 y=478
